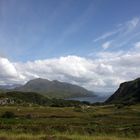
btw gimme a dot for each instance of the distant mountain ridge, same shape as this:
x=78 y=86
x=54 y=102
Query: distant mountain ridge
x=54 y=89
x=128 y=92
x=9 y=86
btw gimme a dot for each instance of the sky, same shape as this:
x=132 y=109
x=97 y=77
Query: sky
x=91 y=43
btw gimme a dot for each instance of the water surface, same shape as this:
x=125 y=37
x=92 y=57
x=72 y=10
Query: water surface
x=92 y=99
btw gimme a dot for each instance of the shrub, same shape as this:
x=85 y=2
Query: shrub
x=8 y=114
x=28 y=116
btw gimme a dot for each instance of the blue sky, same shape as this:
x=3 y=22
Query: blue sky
x=91 y=43
x=31 y=30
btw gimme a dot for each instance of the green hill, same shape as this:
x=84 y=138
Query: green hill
x=25 y=98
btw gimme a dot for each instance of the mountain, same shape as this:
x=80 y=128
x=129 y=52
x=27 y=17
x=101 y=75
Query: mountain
x=128 y=92
x=54 y=89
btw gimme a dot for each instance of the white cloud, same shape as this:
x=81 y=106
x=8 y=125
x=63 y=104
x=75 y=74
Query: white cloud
x=121 y=31
x=7 y=68
x=106 y=45
x=106 y=35
x=137 y=45
x=133 y=23
x=8 y=72
x=104 y=73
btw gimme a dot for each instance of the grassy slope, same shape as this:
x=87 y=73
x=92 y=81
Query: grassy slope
x=94 y=123
x=25 y=98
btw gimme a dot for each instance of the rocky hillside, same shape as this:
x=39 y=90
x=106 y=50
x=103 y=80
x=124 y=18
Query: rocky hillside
x=128 y=92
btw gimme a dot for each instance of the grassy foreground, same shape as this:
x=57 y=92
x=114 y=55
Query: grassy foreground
x=108 y=122
x=8 y=136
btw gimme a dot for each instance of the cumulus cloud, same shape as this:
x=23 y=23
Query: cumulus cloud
x=8 y=72
x=104 y=73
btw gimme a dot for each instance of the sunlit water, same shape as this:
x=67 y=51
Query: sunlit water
x=92 y=99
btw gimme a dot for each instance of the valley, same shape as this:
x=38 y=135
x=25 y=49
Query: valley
x=35 y=116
